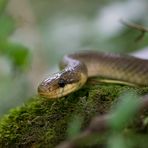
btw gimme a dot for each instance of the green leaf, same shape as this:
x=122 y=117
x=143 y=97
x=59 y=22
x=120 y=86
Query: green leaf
x=116 y=141
x=6 y=26
x=74 y=126
x=124 y=111
x=2 y=4
x=18 y=54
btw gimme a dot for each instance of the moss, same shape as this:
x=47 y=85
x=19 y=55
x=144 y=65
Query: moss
x=43 y=123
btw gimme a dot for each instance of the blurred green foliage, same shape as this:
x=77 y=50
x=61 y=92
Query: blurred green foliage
x=117 y=141
x=2 y=5
x=18 y=54
x=124 y=111
x=13 y=83
x=7 y=26
x=74 y=126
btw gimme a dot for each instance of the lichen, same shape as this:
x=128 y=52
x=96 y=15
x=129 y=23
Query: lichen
x=43 y=123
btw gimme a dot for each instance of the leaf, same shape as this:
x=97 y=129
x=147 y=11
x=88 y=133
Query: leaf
x=74 y=126
x=18 y=54
x=3 y=4
x=6 y=26
x=124 y=111
x=116 y=141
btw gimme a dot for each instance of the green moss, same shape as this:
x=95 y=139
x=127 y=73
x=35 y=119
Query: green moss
x=41 y=122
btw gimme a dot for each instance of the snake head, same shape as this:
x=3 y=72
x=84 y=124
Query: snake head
x=61 y=84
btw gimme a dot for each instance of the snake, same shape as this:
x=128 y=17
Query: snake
x=76 y=68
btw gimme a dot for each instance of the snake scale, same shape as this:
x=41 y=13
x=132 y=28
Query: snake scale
x=77 y=67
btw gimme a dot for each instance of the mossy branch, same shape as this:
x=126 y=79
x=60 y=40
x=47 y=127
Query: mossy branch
x=44 y=123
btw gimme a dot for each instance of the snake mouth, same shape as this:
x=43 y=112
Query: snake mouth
x=60 y=92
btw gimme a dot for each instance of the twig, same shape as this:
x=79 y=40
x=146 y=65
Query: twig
x=134 y=26
x=138 y=27
x=98 y=125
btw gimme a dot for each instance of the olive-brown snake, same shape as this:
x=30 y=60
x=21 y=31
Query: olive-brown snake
x=77 y=67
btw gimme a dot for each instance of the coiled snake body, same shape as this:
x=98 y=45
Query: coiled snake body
x=77 y=67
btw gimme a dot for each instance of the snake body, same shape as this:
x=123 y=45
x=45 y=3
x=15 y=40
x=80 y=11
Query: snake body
x=77 y=67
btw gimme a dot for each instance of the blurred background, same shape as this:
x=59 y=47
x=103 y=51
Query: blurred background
x=35 y=34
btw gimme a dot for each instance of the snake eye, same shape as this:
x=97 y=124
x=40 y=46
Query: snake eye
x=62 y=83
